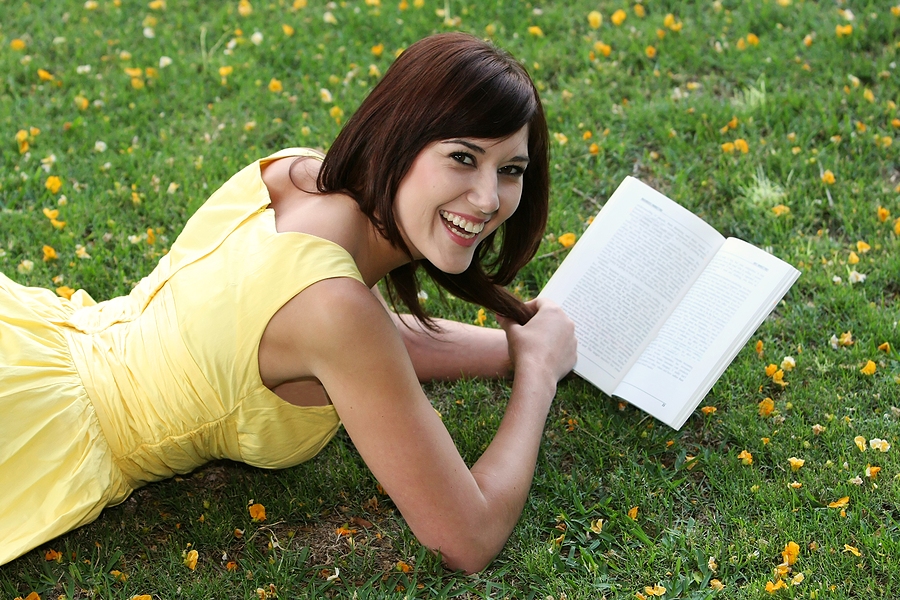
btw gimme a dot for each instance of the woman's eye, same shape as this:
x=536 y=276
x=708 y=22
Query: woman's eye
x=514 y=170
x=463 y=157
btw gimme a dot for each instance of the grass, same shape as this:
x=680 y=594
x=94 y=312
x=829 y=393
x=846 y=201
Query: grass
x=173 y=134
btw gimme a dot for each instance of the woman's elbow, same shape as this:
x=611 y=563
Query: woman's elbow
x=467 y=561
x=470 y=553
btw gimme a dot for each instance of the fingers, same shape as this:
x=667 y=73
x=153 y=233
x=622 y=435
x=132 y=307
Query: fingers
x=548 y=339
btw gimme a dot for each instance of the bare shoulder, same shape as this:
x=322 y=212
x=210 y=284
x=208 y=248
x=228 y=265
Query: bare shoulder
x=286 y=176
x=339 y=304
x=327 y=323
x=300 y=207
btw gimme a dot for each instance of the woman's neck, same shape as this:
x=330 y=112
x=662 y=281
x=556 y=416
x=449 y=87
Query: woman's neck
x=334 y=217
x=374 y=254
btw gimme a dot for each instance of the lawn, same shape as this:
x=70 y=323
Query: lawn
x=776 y=121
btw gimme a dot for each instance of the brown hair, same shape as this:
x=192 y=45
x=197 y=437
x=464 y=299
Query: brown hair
x=445 y=86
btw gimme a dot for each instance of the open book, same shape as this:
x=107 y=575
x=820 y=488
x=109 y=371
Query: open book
x=661 y=301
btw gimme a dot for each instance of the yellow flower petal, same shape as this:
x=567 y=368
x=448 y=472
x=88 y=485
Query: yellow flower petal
x=765 y=407
x=840 y=503
x=403 y=567
x=781 y=209
x=53 y=184
x=567 y=240
x=52 y=554
x=257 y=512
x=846 y=339
x=879 y=444
x=790 y=553
x=604 y=49
x=190 y=559
x=343 y=531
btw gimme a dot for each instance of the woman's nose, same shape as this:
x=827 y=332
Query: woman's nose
x=484 y=195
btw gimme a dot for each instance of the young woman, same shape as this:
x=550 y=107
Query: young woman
x=262 y=329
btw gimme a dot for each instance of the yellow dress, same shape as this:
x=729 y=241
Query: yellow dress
x=99 y=399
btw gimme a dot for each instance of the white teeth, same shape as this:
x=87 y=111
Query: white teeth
x=461 y=223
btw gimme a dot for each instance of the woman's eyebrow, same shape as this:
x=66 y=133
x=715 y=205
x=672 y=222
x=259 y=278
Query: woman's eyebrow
x=469 y=145
x=480 y=150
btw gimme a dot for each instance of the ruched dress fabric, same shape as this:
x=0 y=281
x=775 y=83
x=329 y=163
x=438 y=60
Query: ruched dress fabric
x=99 y=399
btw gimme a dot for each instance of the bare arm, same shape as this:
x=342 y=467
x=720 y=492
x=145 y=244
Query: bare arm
x=457 y=350
x=355 y=350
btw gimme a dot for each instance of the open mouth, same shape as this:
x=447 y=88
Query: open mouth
x=460 y=226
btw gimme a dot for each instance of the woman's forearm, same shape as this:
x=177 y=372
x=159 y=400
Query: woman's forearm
x=457 y=350
x=505 y=470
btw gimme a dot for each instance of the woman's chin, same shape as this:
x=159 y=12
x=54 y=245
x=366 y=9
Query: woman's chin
x=454 y=268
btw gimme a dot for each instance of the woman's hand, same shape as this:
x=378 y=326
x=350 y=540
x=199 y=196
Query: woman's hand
x=545 y=343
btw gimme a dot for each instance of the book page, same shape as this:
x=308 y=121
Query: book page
x=739 y=288
x=627 y=273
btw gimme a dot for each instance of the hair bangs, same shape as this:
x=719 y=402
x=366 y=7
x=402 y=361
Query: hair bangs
x=495 y=100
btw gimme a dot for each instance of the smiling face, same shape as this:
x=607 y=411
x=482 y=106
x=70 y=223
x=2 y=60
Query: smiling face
x=456 y=193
